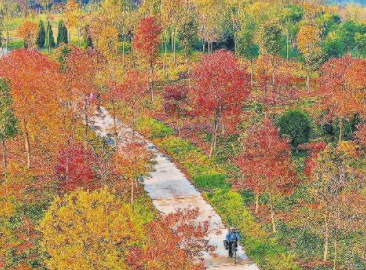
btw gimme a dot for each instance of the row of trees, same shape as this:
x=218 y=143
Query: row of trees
x=58 y=178
x=42 y=37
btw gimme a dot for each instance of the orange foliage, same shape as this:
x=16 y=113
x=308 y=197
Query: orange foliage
x=38 y=92
x=28 y=32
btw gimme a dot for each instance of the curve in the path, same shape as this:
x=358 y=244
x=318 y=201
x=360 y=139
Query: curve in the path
x=170 y=190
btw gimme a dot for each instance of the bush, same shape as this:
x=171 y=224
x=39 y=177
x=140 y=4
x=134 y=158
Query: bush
x=296 y=125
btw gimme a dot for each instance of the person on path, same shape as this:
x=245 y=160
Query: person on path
x=231 y=240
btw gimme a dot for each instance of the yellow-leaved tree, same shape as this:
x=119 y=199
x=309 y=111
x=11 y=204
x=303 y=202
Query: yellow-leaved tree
x=89 y=230
x=308 y=41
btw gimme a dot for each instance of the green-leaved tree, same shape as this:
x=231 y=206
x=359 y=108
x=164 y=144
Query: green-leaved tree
x=62 y=36
x=41 y=38
x=50 y=40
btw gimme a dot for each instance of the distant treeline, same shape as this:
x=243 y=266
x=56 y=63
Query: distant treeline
x=343 y=2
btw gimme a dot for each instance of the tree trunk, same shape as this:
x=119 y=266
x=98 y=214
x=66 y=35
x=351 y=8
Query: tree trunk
x=27 y=144
x=251 y=72
x=151 y=81
x=123 y=50
x=4 y=153
x=79 y=35
x=132 y=190
x=326 y=239
x=274 y=230
x=174 y=49
x=86 y=120
x=308 y=80
x=133 y=124
x=287 y=46
x=179 y=131
x=165 y=56
x=7 y=38
x=336 y=241
x=256 y=203
x=340 y=130
x=48 y=38
x=214 y=137
x=115 y=125
x=335 y=254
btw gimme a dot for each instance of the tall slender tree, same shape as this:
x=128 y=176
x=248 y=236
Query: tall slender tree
x=50 y=40
x=146 y=44
x=62 y=36
x=8 y=121
x=41 y=38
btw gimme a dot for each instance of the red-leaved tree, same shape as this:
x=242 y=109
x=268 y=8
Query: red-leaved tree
x=343 y=81
x=75 y=167
x=81 y=70
x=133 y=94
x=177 y=241
x=176 y=103
x=219 y=87
x=38 y=91
x=146 y=45
x=265 y=164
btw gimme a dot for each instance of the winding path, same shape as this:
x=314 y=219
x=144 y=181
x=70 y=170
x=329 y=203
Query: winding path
x=170 y=190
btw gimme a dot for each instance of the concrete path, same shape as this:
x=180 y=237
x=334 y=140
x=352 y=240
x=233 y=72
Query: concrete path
x=170 y=190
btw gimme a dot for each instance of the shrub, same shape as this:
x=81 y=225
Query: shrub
x=296 y=125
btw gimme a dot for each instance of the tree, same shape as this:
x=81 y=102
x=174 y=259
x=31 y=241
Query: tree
x=187 y=35
x=308 y=40
x=38 y=91
x=265 y=164
x=41 y=38
x=62 y=36
x=219 y=86
x=73 y=16
x=176 y=103
x=176 y=241
x=188 y=32
x=112 y=229
x=132 y=162
x=342 y=82
x=290 y=17
x=246 y=46
x=146 y=44
x=119 y=13
x=296 y=125
x=8 y=121
x=81 y=70
x=87 y=37
x=76 y=167
x=336 y=182
x=50 y=40
x=282 y=92
x=28 y=32
x=133 y=93
x=360 y=40
x=270 y=39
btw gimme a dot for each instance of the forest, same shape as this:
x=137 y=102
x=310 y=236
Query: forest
x=260 y=104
